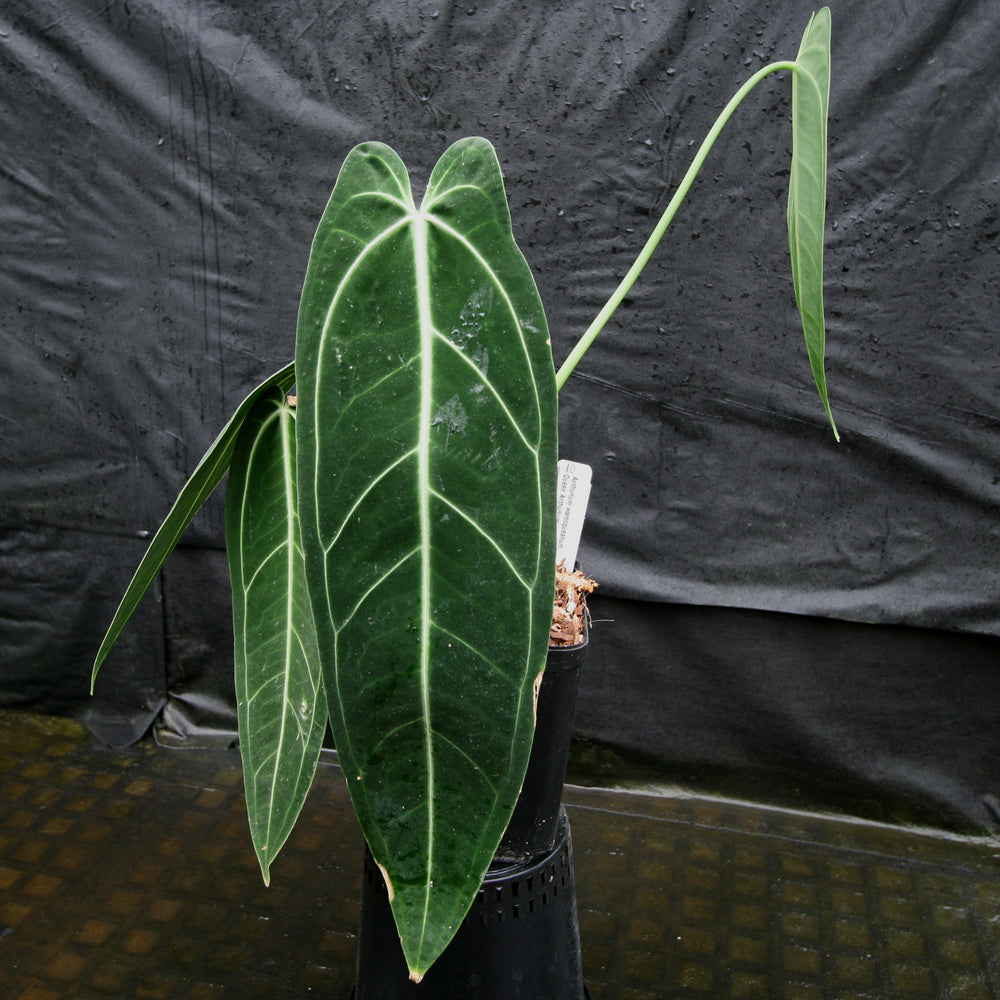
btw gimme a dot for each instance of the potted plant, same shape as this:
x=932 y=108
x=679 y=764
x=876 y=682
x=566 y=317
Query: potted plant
x=390 y=528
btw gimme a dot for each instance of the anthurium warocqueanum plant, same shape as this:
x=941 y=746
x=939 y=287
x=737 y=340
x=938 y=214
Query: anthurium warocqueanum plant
x=391 y=526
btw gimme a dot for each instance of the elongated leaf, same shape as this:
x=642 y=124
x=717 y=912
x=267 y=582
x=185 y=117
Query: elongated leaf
x=206 y=476
x=427 y=468
x=281 y=705
x=807 y=189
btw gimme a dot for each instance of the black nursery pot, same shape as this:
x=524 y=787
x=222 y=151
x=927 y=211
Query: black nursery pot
x=521 y=939
x=532 y=830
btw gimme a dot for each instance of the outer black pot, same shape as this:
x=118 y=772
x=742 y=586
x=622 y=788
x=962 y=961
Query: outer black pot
x=520 y=940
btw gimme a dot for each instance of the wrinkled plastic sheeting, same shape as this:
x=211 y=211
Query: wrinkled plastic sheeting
x=891 y=723
x=57 y=585
x=170 y=161
x=165 y=162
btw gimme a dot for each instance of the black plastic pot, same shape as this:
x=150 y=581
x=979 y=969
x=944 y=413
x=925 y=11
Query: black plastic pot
x=520 y=940
x=531 y=832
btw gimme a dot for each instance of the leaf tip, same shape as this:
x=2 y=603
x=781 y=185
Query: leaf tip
x=829 y=414
x=102 y=655
x=265 y=867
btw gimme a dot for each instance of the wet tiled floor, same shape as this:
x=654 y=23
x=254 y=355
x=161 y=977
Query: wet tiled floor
x=130 y=874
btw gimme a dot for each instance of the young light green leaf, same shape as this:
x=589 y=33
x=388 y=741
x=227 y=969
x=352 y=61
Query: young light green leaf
x=807 y=190
x=206 y=476
x=427 y=467
x=806 y=199
x=281 y=705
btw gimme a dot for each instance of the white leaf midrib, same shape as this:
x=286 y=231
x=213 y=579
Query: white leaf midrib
x=421 y=265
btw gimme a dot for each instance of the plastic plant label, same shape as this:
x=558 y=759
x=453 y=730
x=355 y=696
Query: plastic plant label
x=572 y=494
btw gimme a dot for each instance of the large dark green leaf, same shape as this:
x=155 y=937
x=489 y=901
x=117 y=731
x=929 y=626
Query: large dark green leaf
x=427 y=466
x=807 y=189
x=281 y=705
x=206 y=476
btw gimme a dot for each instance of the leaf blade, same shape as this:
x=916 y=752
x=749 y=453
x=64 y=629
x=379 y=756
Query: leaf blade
x=426 y=437
x=806 y=213
x=200 y=485
x=281 y=703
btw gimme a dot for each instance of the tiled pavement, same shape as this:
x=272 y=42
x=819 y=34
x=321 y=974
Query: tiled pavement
x=130 y=875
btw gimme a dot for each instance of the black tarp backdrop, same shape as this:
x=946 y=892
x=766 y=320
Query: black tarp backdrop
x=816 y=622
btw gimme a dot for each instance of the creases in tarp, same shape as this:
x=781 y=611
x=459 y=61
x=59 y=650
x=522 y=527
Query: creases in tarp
x=800 y=712
x=171 y=160
x=57 y=587
x=201 y=705
x=815 y=535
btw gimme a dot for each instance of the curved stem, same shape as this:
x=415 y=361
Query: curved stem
x=590 y=334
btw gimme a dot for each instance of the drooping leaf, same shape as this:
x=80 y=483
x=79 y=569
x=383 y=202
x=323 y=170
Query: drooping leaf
x=427 y=466
x=807 y=189
x=199 y=487
x=281 y=705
